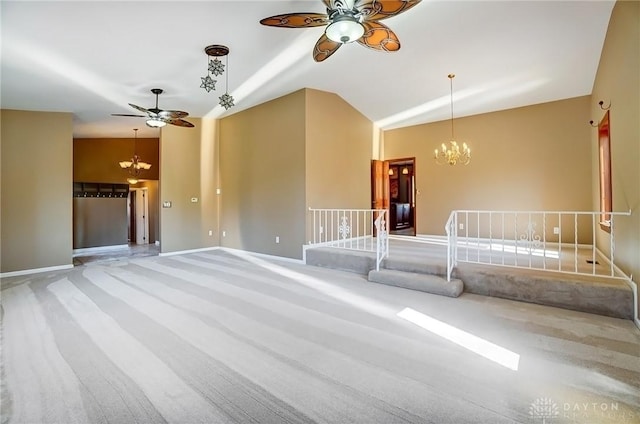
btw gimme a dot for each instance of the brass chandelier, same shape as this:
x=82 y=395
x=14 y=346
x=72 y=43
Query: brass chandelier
x=453 y=154
x=134 y=166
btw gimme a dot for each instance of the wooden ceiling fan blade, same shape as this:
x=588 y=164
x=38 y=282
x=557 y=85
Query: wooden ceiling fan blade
x=127 y=114
x=178 y=122
x=378 y=36
x=375 y=10
x=324 y=48
x=296 y=20
x=172 y=114
x=140 y=108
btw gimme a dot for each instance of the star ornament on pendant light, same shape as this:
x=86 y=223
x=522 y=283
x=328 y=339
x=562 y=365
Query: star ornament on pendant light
x=226 y=101
x=208 y=83
x=216 y=67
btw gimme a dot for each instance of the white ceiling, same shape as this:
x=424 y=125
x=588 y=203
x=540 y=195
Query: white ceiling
x=92 y=58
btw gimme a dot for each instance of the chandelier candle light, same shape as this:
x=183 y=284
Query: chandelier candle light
x=452 y=154
x=134 y=166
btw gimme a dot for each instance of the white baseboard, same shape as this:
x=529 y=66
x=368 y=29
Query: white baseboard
x=184 y=252
x=35 y=270
x=234 y=251
x=98 y=249
x=262 y=255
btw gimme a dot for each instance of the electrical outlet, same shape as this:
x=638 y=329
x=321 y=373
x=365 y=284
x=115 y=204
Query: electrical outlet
x=556 y=230
x=461 y=226
x=277 y=239
x=210 y=232
x=321 y=229
x=224 y=234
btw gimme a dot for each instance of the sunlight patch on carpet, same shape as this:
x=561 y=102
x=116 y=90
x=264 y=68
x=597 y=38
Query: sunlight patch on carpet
x=478 y=345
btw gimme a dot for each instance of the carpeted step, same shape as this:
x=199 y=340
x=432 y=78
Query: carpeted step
x=422 y=282
x=342 y=259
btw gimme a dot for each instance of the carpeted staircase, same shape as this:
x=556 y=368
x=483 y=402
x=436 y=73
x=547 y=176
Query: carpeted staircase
x=594 y=294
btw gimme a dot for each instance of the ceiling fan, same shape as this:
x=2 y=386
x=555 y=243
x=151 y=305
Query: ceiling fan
x=348 y=21
x=157 y=117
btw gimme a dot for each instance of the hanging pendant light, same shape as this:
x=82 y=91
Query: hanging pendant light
x=226 y=100
x=216 y=68
x=134 y=166
x=453 y=154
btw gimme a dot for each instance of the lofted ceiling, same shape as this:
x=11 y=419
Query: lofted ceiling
x=92 y=58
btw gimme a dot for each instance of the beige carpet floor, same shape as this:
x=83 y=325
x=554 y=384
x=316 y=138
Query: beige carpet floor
x=225 y=337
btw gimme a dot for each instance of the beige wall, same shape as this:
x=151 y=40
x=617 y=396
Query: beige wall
x=99 y=221
x=36 y=182
x=618 y=82
x=187 y=168
x=262 y=175
x=307 y=149
x=530 y=158
x=338 y=153
x=96 y=159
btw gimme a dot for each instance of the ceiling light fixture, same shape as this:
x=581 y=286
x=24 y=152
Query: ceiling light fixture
x=134 y=166
x=452 y=154
x=344 y=28
x=155 y=123
x=216 y=68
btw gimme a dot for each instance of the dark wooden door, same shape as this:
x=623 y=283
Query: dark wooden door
x=380 y=187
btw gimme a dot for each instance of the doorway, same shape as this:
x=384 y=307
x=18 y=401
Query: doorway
x=138 y=216
x=393 y=188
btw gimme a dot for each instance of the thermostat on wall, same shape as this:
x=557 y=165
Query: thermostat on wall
x=194 y=200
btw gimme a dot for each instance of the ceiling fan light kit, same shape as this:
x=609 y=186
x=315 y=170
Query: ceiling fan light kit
x=155 y=123
x=348 y=21
x=344 y=29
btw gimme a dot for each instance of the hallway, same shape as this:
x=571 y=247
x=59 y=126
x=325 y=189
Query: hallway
x=114 y=253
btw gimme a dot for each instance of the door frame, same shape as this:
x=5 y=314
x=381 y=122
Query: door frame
x=140 y=215
x=386 y=190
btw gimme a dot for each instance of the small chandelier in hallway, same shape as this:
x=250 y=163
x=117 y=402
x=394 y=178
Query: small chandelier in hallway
x=134 y=166
x=452 y=154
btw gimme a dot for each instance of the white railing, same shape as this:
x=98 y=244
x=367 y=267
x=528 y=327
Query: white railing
x=355 y=229
x=563 y=241
x=452 y=243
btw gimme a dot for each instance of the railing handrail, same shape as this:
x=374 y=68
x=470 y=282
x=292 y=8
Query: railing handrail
x=354 y=229
x=345 y=210
x=627 y=213
x=529 y=242
x=452 y=243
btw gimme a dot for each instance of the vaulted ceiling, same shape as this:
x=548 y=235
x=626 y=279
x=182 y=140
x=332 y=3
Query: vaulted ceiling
x=92 y=58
